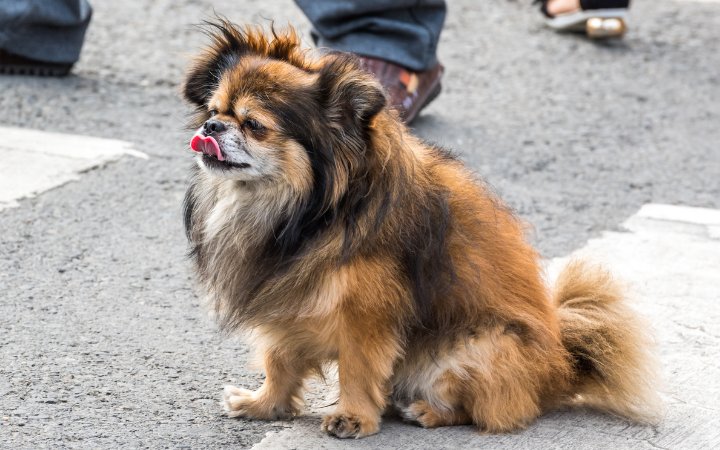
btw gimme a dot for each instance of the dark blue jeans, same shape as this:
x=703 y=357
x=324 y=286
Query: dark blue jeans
x=46 y=30
x=405 y=32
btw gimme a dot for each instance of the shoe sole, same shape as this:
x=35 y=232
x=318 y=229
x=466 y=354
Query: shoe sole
x=41 y=71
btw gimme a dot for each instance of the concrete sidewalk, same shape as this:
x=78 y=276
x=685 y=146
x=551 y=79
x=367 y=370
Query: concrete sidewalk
x=670 y=257
x=56 y=159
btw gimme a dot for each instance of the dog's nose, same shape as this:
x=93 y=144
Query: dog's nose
x=213 y=126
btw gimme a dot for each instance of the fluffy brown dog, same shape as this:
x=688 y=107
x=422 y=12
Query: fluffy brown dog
x=319 y=222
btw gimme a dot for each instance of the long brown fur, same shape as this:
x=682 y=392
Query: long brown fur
x=360 y=244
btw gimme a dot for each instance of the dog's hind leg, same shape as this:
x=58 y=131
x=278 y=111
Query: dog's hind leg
x=428 y=416
x=508 y=385
x=441 y=406
x=496 y=379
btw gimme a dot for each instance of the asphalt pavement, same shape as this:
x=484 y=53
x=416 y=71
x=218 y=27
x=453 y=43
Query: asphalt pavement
x=103 y=340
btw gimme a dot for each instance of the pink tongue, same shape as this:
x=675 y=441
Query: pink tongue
x=207 y=145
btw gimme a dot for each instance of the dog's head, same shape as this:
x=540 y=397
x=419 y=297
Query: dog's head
x=268 y=111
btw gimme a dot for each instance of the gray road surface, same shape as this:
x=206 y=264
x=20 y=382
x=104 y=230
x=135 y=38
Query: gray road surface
x=103 y=342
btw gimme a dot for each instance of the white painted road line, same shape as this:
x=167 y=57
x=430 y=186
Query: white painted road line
x=671 y=262
x=35 y=161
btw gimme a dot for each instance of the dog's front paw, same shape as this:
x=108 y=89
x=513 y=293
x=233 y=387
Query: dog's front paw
x=240 y=402
x=344 y=425
x=237 y=401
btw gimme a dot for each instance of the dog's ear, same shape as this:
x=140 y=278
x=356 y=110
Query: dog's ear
x=229 y=44
x=207 y=69
x=350 y=95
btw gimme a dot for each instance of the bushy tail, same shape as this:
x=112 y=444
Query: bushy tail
x=609 y=345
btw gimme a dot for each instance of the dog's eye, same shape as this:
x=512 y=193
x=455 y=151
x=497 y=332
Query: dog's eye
x=213 y=112
x=252 y=125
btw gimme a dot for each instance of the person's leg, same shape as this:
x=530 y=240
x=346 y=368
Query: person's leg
x=46 y=31
x=405 y=32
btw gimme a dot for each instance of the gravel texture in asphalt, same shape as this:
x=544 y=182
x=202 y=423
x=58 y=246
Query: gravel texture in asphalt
x=103 y=341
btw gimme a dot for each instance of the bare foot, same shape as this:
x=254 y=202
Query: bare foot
x=558 y=7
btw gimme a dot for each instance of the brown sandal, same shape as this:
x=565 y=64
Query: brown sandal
x=409 y=92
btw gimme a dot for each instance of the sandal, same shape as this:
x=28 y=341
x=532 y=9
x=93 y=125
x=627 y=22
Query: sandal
x=597 y=18
x=408 y=92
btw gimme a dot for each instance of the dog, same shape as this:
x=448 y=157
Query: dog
x=320 y=223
